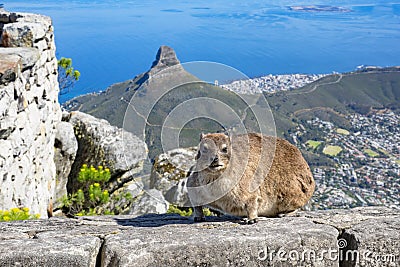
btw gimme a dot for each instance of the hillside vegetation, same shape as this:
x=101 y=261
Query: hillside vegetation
x=334 y=96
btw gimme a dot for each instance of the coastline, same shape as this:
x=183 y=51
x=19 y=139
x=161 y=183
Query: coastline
x=287 y=82
x=272 y=83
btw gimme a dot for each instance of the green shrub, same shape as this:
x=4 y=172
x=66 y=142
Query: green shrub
x=88 y=199
x=91 y=174
x=17 y=214
x=91 y=198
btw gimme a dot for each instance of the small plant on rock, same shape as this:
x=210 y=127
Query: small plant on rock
x=88 y=199
x=17 y=214
x=186 y=212
x=181 y=211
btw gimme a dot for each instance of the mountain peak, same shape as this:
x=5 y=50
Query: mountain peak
x=165 y=58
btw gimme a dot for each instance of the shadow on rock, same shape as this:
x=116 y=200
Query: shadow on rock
x=157 y=220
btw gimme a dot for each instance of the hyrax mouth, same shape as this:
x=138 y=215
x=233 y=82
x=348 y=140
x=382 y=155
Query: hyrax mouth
x=216 y=166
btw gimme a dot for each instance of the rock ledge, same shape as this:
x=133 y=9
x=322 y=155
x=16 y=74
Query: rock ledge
x=372 y=233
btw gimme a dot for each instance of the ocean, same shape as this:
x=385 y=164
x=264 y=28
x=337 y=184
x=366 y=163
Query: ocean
x=113 y=41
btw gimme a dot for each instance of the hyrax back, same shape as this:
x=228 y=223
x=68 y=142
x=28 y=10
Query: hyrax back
x=249 y=175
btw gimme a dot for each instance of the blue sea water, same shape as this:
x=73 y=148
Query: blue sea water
x=112 y=41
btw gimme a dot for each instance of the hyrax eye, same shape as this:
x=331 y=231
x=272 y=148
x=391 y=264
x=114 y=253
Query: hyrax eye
x=224 y=150
x=205 y=148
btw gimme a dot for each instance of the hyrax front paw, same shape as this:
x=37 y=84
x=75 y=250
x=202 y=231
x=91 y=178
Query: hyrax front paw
x=251 y=221
x=198 y=214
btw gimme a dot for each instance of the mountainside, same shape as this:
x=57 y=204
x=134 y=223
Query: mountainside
x=156 y=93
x=144 y=105
x=112 y=103
x=333 y=96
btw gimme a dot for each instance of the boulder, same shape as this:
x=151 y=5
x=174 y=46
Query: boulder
x=169 y=174
x=100 y=143
x=65 y=148
x=139 y=202
x=84 y=139
x=150 y=201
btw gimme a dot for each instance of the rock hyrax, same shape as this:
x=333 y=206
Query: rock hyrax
x=249 y=175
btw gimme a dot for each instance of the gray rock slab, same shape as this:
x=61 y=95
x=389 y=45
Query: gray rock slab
x=376 y=242
x=57 y=251
x=344 y=219
x=172 y=240
x=369 y=236
x=221 y=244
x=53 y=242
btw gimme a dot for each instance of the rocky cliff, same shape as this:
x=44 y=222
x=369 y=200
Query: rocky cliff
x=43 y=149
x=362 y=236
x=29 y=111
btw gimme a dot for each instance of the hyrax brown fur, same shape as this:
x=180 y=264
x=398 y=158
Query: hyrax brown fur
x=249 y=175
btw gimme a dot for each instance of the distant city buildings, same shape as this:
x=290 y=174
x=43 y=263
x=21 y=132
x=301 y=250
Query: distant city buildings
x=271 y=83
x=367 y=171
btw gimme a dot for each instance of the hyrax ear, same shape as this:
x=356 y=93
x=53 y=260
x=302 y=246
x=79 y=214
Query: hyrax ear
x=202 y=135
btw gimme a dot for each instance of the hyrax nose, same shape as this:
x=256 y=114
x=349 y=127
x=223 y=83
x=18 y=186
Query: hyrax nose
x=216 y=158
